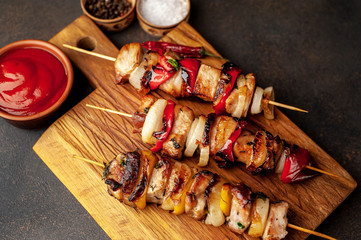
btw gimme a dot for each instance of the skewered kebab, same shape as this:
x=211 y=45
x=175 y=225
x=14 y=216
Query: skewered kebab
x=172 y=129
x=138 y=177
x=165 y=67
x=162 y=67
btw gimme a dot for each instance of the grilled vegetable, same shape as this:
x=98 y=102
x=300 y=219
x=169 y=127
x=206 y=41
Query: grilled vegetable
x=226 y=199
x=195 y=138
x=153 y=121
x=215 y=215
x=268 y=109
x=256 y=106
x=259 y=216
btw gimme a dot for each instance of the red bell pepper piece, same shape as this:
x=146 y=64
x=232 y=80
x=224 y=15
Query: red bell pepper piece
x=168 y=117
x=226 y=152
x=232 y=71
x=161 y=72
x=189 y=68
x=295 y=169
x=185 y=51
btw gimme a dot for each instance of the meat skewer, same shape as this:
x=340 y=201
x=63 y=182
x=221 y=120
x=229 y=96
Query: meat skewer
x=222 y=137
x=185 y=77
x=141 y=176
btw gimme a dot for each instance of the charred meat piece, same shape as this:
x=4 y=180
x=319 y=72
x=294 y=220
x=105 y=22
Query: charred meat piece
x=270 y=163
x=196 y=197
x=129 y=181
x=221 y=130
x=159 y=181
x=278 y=147
x=174 y=86
x=129 y=57
x=240 y=216
x=207 y=82
x=174 y=144
x=147 y=162
x=261 y=152
x=242 y=148
x=113 y=174
x=179 y=177
x=277 y=222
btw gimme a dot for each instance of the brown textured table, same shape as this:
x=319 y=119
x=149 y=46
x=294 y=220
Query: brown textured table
x=309 y=51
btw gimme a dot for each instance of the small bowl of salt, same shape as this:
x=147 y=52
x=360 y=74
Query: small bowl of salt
x=158 y=17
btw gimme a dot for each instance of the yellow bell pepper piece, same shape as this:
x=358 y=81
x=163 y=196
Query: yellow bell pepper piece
x=226 y=199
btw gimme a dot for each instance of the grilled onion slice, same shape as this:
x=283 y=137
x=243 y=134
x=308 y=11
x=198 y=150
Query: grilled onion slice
x=268 y=109
x=153 y=121
x=196 y=137
x=256 y=106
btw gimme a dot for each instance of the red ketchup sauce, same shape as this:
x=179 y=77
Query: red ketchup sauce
x=31 y=80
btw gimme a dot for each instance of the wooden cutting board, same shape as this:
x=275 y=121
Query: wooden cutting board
x=100 y=136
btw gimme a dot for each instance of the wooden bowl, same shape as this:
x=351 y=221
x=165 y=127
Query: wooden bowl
x=115 y=24
x=39 y=119
x=157 y=30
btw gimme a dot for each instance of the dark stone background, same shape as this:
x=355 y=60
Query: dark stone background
x=308 y=50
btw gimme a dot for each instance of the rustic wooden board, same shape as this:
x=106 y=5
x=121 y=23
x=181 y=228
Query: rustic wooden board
x=100 y=136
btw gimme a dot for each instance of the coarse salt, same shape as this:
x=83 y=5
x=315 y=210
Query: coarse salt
x=163 y=12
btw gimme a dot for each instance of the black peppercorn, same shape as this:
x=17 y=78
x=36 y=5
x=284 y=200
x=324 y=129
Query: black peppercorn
x=107 y=9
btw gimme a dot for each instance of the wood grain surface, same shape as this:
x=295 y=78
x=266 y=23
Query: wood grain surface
x=100 y=136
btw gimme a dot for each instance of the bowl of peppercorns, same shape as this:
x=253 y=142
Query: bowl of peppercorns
x=110 y=15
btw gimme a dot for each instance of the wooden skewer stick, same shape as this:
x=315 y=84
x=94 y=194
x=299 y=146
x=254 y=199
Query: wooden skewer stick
x=288 y=225
x=328 y=173
x=286 y=106
x=113 y=59
x=109 y=110
x=88 y=161
x=310 y=231
x=90 y=52
x=129 y=115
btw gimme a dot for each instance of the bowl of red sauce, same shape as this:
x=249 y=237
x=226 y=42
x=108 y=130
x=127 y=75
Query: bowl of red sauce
x=35 y=79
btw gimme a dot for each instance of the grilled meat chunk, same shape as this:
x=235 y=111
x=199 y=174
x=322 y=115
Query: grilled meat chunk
x=174 y=144
x=139 y=116
x=147 y=162
x=196 y=197
x=240 y=216
x=262 y=151
x=243 y=146
x=128 y=59
x=129 y=181
x=179 y=177
x=159 y=181
x=113 y=174
x=207 y=82
x=174 y=85
x=222 y=129
x=277 y=222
